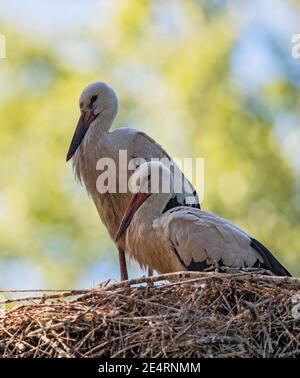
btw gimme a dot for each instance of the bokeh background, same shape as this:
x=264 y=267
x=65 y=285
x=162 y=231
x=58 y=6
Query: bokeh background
x=213 y=79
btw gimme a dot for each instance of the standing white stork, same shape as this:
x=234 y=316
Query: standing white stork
x=184 y=238
x=93 y=140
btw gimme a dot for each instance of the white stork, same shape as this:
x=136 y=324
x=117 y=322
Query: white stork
x=184 y=238
x=93 y=140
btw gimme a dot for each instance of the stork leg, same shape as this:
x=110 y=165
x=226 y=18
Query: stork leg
x=123 y=266
x=150 y=274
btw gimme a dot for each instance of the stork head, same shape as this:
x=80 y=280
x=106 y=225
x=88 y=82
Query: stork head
x=98 y=104
x=150 y=179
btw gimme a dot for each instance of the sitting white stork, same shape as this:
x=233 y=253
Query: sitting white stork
x=93 y=140
x=184 y=238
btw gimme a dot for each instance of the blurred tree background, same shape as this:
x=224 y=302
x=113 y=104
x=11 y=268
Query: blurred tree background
x=212 y=79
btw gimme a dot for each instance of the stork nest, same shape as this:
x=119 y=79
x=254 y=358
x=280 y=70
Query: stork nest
x=187 y=314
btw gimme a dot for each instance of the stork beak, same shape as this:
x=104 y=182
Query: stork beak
x=136 y=201
x=84 y=122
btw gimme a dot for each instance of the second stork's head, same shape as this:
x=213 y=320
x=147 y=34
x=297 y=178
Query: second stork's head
x=152 y=185
x=98 y=105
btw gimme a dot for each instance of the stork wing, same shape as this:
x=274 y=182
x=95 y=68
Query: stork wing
x=200 y=238
x=147 y=148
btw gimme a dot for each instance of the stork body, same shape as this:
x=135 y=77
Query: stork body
x=186 y=238
x=93 y=140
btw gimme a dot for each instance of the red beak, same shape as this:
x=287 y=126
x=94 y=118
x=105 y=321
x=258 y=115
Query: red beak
x=136 y=201
x=84 y=122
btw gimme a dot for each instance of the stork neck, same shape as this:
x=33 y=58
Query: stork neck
x=152 y=208
x=103 y=124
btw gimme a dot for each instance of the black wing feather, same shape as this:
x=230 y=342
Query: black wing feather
x=270 y=261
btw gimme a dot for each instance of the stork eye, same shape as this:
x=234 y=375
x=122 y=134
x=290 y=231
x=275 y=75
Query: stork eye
x=93 y=99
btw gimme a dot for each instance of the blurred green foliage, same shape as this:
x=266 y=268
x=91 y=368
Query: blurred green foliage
x=173 y=82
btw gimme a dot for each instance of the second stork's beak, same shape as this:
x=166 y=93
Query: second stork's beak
x=136 y=201
x=84 y=122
